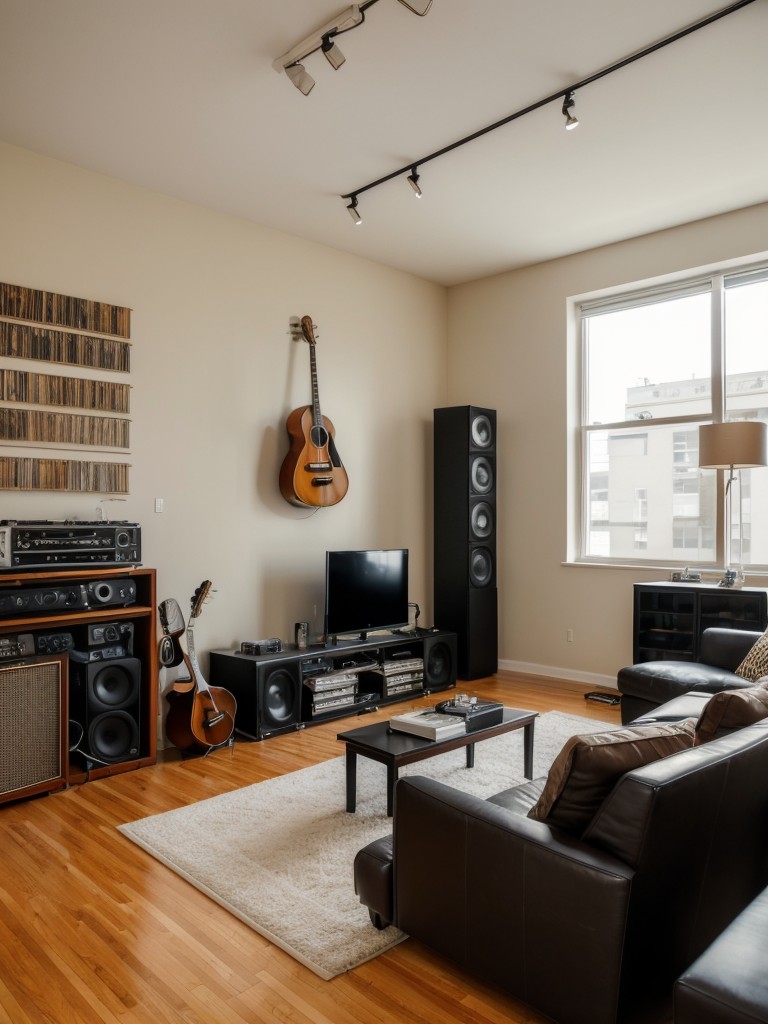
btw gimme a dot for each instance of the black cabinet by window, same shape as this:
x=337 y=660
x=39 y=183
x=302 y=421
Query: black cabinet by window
x=669 y=618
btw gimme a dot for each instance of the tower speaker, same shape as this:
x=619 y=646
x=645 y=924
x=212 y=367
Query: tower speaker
x=267 y=691
x=33 y=727
x=105 y=705
x=439 y=654
x=465 y=597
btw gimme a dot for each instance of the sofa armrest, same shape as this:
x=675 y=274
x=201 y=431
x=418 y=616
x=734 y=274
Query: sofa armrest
x=726 y=648
x=527 y=908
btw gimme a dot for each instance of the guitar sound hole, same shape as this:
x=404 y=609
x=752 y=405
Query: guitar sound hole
x=319 y=436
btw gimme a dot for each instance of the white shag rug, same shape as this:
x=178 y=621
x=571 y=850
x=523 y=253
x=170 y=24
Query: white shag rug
x=288 y=845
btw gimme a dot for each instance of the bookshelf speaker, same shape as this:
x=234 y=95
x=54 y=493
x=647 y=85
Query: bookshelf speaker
x=105 y=701
x=33 y=727
x=267 y=691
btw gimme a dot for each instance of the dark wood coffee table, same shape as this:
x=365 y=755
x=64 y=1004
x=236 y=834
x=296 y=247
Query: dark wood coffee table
x=394 y=749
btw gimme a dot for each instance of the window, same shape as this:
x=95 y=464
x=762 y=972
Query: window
x=648 y=384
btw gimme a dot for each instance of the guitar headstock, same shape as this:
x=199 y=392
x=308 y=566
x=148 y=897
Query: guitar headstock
x=199 y=597
x=308 y=330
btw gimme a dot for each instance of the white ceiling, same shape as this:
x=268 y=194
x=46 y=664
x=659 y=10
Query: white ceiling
x=180 y=96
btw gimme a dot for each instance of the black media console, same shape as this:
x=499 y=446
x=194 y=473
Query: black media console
x=294 y=688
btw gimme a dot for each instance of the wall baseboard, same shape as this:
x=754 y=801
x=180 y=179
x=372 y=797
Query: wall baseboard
x=566 y=674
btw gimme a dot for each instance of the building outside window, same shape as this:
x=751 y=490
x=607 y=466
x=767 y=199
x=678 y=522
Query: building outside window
x=649 y=384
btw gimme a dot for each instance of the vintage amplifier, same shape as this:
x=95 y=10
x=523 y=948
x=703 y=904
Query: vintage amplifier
x=45 y=544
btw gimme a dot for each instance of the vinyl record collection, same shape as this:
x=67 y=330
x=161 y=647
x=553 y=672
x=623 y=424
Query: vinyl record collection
x=23 y=424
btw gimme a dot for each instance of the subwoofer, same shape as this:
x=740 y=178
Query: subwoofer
x=439 y=654
x=465 y=597
x=33 y=727
x=105 y=705
x=267 y=691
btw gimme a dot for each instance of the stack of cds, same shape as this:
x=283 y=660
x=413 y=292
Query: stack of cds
x=402 y=676
x=332 y=690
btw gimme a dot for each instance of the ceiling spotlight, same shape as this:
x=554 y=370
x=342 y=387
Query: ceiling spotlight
x=333 y=54
x=352 y=211
x=304 y=83
x=413 y=181
x=320 y=39
x=571 y=121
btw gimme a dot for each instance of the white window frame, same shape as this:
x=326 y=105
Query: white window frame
x=715 y=283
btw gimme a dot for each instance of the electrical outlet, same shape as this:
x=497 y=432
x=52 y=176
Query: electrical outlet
x=569 y=635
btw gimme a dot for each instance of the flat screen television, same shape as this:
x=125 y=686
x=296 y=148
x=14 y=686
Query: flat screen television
x=365 y=591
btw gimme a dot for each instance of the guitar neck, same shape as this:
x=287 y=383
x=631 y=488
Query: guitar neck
x=193 y=663
x=316 y=417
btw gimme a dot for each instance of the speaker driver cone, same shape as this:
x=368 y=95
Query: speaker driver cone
x=482 y=431
x=114 y=686
x=439 y=665
x=278 y=697
x=482 y=475
x=481 y=567
x=482 y=520
x=113 y=736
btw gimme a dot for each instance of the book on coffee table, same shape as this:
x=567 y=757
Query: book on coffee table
x=430 y=725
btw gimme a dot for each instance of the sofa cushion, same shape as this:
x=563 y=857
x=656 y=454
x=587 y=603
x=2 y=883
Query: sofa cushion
x=732 y=709
x=586 y=769
x=755 y=664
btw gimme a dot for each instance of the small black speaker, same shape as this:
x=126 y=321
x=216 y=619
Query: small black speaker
x=465 y=535
x=267 y=691
x=439 y=661
x=105 y=703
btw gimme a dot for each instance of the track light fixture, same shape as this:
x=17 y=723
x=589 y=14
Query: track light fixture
x=353 y=212
x=571 y=121
x=566 y=96
x=332 y=53
x=323 y=39
x=413 y=181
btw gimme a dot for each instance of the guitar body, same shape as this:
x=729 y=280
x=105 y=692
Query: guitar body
x=200 y=716
x=200 y=719
x=312 y=473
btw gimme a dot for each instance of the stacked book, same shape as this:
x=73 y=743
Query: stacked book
x=332 y=690
x=429 y=724
x=402 y=675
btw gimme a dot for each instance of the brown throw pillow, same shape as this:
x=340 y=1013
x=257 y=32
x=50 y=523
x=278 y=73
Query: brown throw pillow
x=732 y=709
x=587 y=768
x=755 y=664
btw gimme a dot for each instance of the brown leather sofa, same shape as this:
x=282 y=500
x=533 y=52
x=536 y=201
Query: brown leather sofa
x=645 y=686
x=589 y=929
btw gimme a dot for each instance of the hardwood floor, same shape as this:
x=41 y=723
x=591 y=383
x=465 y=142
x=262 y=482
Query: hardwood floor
x=92 y=929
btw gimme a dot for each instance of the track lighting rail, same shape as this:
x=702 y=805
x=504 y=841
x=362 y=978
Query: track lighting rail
x=561 y=94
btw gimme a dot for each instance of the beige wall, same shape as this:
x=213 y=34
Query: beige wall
x=508 y=350
x=214 y=376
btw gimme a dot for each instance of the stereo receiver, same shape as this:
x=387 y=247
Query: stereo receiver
x=44 y=544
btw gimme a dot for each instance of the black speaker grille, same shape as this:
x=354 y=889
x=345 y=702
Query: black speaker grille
x=30 y=725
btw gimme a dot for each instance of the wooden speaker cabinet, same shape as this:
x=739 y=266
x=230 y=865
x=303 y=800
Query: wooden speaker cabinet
x=62 y=613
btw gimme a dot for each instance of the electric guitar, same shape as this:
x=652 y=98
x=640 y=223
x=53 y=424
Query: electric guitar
x=312 y=473
x=199 y=716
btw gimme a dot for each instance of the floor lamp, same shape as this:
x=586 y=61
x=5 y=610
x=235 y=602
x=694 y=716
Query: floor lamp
x=733 y=446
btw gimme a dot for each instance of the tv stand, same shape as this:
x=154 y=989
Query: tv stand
x=295 y=688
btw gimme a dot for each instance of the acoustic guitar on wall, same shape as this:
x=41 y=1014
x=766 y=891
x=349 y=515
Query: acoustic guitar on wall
x=312 y=473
